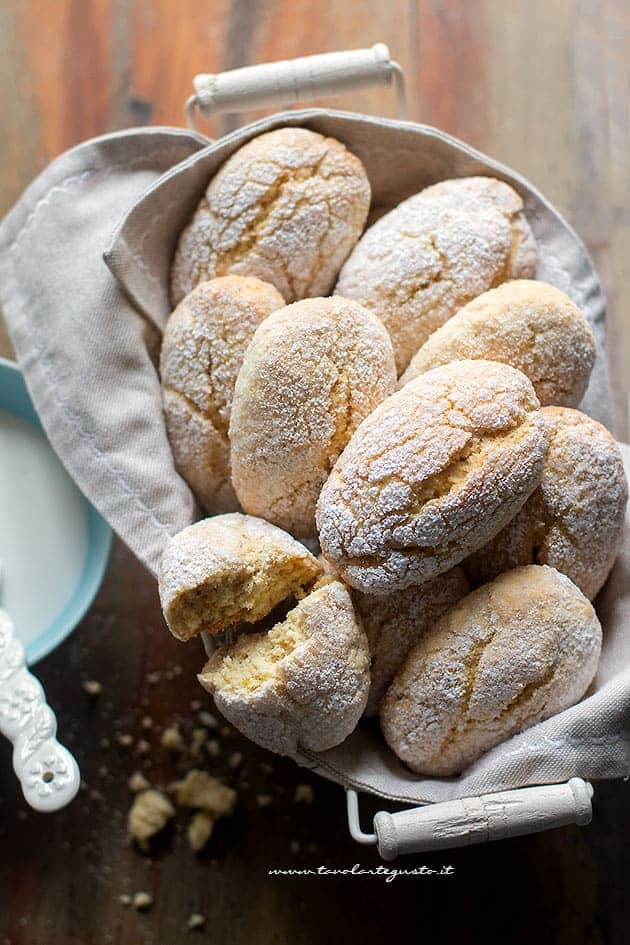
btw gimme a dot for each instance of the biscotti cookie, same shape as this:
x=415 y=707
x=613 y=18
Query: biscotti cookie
x=303 y=684
x=424 y=260
x=510 y=654
x=394 y=623
x=575 y=518
x=227 y=570
x=202 y=351
x=312 y=373
x=531 y=325
x=431 y=475
x=286 y=207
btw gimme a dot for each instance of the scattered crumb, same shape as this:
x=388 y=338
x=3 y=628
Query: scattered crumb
x=198 y=789
x=304 y=794
x=208 y=719
x=124 y=739
x=103 y=771
x=195 y=705
x=266 y=767
x=226 y=731
x=236 y=759
x=125 y=899
x=154 y=678
x=200 y=829
x=146 y=721
x=295 y=846
x=104 y=743
x=143 y=747
x=264 y=800
x=93 y=687
x=213 y=748
x=196 y=921
x=137 y=782
x=142 y=901
x=199 y=738
x=172 y=738
x=149 y=813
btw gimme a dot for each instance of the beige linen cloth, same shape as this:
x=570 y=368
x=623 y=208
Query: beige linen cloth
x=87 y=332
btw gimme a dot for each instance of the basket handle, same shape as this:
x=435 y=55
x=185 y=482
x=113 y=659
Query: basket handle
x=474 y=819
x=294 y=80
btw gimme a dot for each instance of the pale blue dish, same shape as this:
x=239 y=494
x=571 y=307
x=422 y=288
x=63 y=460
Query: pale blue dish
x=15 y=399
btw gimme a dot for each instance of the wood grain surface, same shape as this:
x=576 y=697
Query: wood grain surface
x=542 y=85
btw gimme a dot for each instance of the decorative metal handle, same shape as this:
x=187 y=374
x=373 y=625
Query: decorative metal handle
x=472 y=820
x=47 y=771
x=296 y=80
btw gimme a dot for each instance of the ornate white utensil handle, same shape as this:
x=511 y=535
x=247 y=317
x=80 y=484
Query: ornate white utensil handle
x=47 y=771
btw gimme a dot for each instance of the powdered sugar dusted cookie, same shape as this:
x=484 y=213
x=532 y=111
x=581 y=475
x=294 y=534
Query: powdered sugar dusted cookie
x=511 y=654
x=434 y=472
x=227 y=570
x=202 y=351
x=304 y=684
x=286 y=207
x=575 y=518
x=312 y=373
x=531 y=325
x=424 y=260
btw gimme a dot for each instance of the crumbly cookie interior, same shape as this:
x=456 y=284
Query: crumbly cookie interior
x=256 y=658
x=243 y=597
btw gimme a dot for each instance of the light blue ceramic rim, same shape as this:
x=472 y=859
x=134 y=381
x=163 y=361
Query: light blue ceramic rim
x=15 y=399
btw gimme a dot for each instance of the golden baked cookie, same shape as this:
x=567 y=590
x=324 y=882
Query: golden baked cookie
x=574 y=520
x=303 y=684
x=510 y=654
x=395 y=622
x=418 y=264
x=286 y=207
x=312 y=373
x=227 y=570
x=431 y=475
x=531 y=325
x=202 y=351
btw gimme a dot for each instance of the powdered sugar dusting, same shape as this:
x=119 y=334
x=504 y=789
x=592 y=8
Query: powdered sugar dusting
x=511 y=654
x=420 y=263
x=287 y=207
x=432 y=473
x=312 y=373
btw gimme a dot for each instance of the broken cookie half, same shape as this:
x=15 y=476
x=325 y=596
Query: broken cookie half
x=298 y=681
x=227 y=570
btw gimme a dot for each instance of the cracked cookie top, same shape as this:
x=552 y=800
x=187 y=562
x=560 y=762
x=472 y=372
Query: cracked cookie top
x=286 y=207
x=433 y=253
x=202 y=351
x=313 y=372
x=431 y=475
x=531 y=325
x=508 y=655
x=574 y=520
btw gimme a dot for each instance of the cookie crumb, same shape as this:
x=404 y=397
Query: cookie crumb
x=236 y=759
x=172 y=738
x=199 y=789
x=142 y=901
x=264 y=800
x=154 y=678
x=213 y=748
x=200 y=829
x=92 y=687
x=124 y=739
x=196 y=920
x=149 y=813
x=295 y=846
x=304 y=794
x=143 y=747
x=137 y=782
x=146 y=722
x=195 y=705
x=208 y=719
x=199 y=738
x=124 y=899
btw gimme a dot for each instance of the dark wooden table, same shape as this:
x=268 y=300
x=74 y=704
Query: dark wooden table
x=541 y=85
